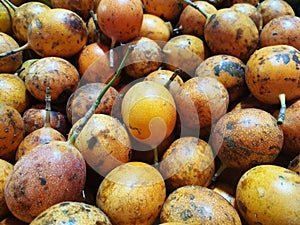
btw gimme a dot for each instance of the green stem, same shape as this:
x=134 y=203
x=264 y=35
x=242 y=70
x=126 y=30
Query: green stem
x=176 y=72
x=10 y=52
x=219 y=172
x=205 y=14
x=9 y=4
x=282 y=111
x=92 y=109
x=155 y=155
x=98 y=30
x=48 y=107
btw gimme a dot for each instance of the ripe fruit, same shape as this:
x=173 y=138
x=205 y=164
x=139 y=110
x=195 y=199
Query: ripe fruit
x=269 y=194
x=194 y=204
x=136 y=198
x=5 y=19
x=271 y=71
x=5 y=169
x=247 y=137
x=149 y=112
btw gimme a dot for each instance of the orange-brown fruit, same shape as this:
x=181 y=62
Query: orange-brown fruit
x=281 y=30
x=237 y=34
x=13 y=92
x=168 y=10
x=187 y=161
x=82 y=99
x=201 y=101
x=9 y=63
x=271 y=9
x=57 y=73
x=64 y=30
x=156 y=29
x=185 y=52
x=11 y=129
x=5 y=170
x=194 y=204
x=49 y=174
x=22 y=17
x=247 y=137
x=227 y=69
x=5 y=19
x=192 y=22
x=121 y=20
x=144 y=59
x=81 y=7
x=291 y=127
x=273 y=70
x=134 y=198
x=251 y=11
x=104 y=143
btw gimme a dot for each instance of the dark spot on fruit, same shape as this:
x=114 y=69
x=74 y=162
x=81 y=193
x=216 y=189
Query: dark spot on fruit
x=74 y=23
x=274 y=34
x=239 y=34
x=186 y=214
x=39 y=24
x=294 y=162
x=284 y=57
x=229 y=126
x=64 y=204
x=54 y=44
x=242 y=206
x=42 y=181
x=92 y=142
x=234 y=69
x=213 y=16
x=215 y=24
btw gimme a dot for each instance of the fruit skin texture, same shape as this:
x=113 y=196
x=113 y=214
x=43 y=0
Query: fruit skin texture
x=237 y=34
x=188 y=161
x=149 y=111
x=11 y=129
x=49 y=174
x=269 y=194
x=5 y=169
x=247 y=137
x=194 y=204
x=120 y=15
x=273 y=70
x=132 y=193
x=10 y=63
x=67 y=212
x=65 y=32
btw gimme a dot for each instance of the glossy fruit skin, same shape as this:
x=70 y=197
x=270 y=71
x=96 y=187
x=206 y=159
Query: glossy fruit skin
x=49 y=174
x=201 y=101
x=66 y=34
x=120 y=20
x=77 y=212
x=5 y=19
x=194 y=204
x=10 y=63
x=247 y=137
x=11 y=129
x=138 y=196
x=269 y=194
x=227 y=69
x=149 y=112
x=187 y=161
x=104 y=143
x=192 y=22
x=23 y=16
x=271 y=71
x=281 y=30
x=238 y=35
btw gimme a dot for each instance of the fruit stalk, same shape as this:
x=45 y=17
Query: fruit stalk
x=7 y=3
x=205 y=14
x=176 y=72
x=96 y=24
x=282 y=111
x=10 y=52
x=92 y=109
x=48 y=107
x=219 y=172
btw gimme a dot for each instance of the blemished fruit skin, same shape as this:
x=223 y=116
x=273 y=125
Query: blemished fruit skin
x=247 y=137
x=273 y=70
x=269 y=194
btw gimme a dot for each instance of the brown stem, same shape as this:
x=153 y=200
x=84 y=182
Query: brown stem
x=48 y=107
x=10 y=52
x=219 y=172
x=197 y=7
x=92 y=109
x=155 y=155
x=174 y=75
x=282 y=111
x=98 y=30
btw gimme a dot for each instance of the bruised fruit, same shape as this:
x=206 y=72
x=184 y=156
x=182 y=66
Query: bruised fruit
x=247 y=137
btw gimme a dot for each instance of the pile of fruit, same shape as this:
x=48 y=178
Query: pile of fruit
x=150 y=112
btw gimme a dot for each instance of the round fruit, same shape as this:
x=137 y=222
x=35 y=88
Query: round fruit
x=269 y=194
x=5 y=170
x=134 y=198
x=5 y=19
x=193 y=204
